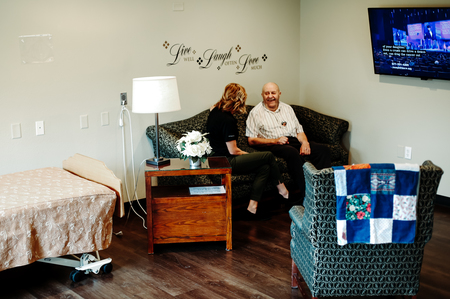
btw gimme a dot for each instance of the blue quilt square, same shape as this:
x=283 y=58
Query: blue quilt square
x=341 y=206
x=382 y=166
x=358 y=181
x=382 y=181
x=358 y=231
x=382 y=205
x=403 y=231
x=407 y=182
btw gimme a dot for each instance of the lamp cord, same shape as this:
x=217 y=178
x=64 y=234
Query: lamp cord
x=135 y=180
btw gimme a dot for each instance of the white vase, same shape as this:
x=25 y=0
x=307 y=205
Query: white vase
x=196 y=164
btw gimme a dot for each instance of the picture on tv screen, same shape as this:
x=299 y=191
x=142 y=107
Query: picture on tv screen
x=411 y=42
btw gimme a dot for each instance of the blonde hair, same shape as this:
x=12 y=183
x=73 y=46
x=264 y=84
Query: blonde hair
x=233 y=99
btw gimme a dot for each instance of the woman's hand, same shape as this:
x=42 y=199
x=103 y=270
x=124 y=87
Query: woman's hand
x=233 y=149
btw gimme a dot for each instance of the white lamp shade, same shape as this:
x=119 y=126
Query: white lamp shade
x=155 y=95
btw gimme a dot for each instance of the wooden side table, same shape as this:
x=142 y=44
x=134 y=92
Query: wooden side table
x=176 y=216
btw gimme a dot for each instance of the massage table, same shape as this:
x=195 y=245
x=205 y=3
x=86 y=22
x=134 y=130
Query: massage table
x=52 y=212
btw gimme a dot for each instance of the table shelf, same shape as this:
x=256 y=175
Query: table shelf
x=181 y=193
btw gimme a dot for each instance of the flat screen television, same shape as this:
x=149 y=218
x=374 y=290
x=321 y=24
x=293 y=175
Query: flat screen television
x=412 y=42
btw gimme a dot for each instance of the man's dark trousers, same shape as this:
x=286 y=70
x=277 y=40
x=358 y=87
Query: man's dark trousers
x=320 y=157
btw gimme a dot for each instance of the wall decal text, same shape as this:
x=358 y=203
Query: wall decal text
x=220 y=59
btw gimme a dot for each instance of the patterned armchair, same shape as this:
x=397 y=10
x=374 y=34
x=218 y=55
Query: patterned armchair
x=318 y=127
x=331 y=270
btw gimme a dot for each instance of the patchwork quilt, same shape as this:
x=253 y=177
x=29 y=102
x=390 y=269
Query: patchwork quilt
x=376 y=203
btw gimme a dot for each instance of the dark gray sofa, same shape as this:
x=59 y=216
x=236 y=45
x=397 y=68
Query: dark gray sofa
x=318 y=127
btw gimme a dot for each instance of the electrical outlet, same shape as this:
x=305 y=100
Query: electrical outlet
x=40 y=128
x=123 y=99
x=408 y=152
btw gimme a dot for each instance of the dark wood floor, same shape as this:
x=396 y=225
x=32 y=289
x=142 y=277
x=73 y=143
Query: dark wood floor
x=258 y=266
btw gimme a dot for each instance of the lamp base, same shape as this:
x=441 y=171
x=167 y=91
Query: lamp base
x=158 y=161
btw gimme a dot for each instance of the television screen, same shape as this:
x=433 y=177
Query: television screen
x=413 y=42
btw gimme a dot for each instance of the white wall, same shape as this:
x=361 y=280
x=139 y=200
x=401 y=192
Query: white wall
x=99 y=46
x=336 y=78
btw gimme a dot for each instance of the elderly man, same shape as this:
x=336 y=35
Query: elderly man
x=272 y=125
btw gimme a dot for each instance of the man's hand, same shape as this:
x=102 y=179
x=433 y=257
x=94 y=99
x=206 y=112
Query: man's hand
x=283 y=140
x=305 y=149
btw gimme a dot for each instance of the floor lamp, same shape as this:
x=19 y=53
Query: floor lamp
x=156 y=95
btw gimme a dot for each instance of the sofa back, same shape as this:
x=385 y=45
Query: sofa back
x=318 y=127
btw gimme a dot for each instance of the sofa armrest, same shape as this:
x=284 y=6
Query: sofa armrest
x=170 y=133
x=319 y=127
x=167 y=141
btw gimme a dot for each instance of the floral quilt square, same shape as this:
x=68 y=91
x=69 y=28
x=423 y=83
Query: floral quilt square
x=358 y=207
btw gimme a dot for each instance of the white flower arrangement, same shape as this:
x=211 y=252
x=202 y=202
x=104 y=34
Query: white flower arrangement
x=194 y=145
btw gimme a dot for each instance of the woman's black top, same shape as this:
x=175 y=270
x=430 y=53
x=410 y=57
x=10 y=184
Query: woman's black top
x=222 y=127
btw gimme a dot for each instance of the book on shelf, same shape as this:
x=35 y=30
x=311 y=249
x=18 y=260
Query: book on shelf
x=207 y=190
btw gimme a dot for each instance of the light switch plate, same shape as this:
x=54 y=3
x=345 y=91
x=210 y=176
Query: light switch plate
x=16 y=131
x=105 y=118
x=84 y=121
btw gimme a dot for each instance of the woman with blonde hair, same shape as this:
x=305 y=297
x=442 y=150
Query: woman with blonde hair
x=223 y=135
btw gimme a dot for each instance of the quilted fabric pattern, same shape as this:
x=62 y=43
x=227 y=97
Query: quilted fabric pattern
x=318 y=127
x=50 y=212
x=356 y=269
